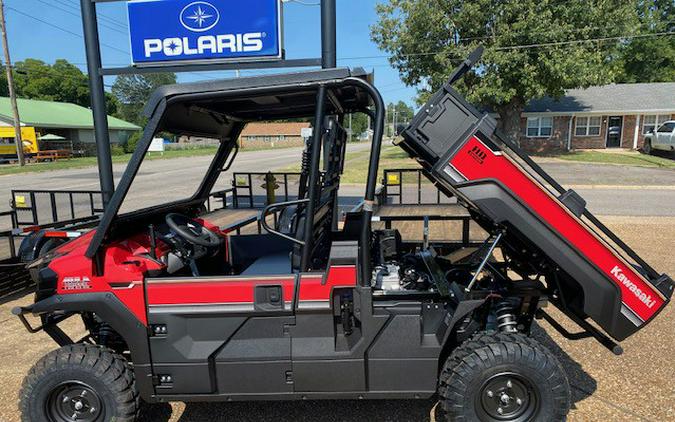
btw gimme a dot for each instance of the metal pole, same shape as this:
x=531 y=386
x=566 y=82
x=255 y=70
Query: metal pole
x=328 y=34
x=350 y=128
x=98 y=107
x=10 y=84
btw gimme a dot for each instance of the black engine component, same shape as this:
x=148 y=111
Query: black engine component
x=387 y=245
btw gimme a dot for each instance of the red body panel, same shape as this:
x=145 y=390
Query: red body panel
x=475 y=161
x=126 y=263
x=221 y=291
x=313 y=288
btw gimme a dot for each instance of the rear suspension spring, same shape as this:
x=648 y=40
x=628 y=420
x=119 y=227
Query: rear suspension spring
x=506 y=319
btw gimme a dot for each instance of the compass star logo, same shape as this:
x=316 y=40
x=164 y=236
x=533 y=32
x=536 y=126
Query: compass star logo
x=199 y=16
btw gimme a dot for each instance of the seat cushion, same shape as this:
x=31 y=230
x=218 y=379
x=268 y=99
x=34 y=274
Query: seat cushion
x=271 y=264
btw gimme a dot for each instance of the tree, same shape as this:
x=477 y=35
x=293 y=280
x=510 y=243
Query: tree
x=359 y=124
x=62 y=81
x=403 y=114
x=650 y=59
x=533 y=47
x=133 y=91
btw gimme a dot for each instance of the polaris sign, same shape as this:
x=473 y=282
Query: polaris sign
x=208 y=30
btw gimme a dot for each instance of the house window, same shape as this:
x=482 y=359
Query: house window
x=653 y=121
x=539 y=127
x=588 y=126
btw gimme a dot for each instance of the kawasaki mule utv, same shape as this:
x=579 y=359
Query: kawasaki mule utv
x=178 y=309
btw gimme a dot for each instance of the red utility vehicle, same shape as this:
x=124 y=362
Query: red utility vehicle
x=177 y=308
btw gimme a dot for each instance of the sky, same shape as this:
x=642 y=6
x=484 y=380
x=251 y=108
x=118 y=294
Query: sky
x=32 y=34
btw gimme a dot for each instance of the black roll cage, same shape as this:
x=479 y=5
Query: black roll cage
x=324 y=95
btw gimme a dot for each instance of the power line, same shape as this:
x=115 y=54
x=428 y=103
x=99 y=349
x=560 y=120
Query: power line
x=63 y=29
x=45 y=72
x=78 y=15
x=304 y=3
x=601 y=39
x=100 y=16
x=520 y=46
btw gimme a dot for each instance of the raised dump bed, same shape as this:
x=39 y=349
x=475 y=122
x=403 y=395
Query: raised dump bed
x=596 y=274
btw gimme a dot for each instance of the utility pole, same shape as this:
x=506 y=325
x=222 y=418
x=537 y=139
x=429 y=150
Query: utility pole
x=393 y=121
x=350 y=128
x=394 y=132
x=10 y=83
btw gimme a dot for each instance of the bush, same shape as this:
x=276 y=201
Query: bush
x=130 y=145
x=116 y=150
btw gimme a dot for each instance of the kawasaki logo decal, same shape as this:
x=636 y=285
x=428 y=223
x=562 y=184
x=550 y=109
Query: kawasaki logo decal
x=623 y=279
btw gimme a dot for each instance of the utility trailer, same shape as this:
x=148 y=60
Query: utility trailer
x=179 y=309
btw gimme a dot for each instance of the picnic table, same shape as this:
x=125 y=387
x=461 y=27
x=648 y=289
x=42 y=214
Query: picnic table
x=54 y=155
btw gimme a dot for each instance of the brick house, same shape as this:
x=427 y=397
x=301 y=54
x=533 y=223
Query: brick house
x=610 y=116
x=286 y=132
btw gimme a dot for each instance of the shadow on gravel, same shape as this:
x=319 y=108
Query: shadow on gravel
x=583 y=385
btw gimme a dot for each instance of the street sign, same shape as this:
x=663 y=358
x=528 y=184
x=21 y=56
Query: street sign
x=164 y=31
x=157 y=145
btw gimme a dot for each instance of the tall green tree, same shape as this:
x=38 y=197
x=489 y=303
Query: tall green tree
x=62 y=82
x=650 y=59
x=534 y=48
x=133 y=91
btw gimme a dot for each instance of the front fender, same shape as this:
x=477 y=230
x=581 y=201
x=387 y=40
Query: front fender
x=111 y=310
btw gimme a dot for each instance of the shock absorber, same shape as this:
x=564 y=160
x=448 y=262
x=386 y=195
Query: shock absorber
x=304 y=171
x=506 y=319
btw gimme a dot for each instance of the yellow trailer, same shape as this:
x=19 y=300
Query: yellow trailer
x=8 y=144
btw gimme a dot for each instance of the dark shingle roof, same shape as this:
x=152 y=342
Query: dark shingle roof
x=643 y=97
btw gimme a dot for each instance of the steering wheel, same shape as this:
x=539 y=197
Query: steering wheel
x=192 y=231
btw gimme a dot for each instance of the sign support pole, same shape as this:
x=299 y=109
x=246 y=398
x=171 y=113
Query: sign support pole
x=328 y=34
x=12 y=91
x=98 y=101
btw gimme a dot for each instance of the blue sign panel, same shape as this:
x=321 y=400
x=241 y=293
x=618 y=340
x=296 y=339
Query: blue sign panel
x=189 y=30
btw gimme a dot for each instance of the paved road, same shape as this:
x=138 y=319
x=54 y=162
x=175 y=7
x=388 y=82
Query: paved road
x=608 y=189
x=158 y=181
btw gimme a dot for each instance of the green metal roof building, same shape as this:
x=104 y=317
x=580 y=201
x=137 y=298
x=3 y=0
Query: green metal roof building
x=71 y=121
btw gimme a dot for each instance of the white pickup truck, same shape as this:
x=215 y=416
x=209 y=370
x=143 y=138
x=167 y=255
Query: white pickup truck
x=662 y=139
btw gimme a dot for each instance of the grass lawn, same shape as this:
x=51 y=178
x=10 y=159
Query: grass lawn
x=630 y=159
x=356 y=164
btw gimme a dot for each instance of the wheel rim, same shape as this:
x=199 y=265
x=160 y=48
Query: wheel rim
x=74 y=401
x=508 y=397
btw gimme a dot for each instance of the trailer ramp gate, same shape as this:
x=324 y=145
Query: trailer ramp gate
x=463 y=153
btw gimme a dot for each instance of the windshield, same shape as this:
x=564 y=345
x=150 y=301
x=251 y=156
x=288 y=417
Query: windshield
x=170 y=175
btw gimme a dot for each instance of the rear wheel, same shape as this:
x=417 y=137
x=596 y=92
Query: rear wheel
x=503 y=377
x=80 y=382
x=647 y=148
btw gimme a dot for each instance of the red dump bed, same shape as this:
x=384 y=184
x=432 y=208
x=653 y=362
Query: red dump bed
x=601 y=277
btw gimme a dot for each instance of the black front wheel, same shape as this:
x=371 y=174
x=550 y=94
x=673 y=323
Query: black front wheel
x=503 y=377
x=80 y=382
